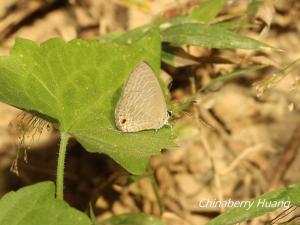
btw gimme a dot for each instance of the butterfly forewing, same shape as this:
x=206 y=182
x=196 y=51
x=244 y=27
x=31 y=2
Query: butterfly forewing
x=142 y=104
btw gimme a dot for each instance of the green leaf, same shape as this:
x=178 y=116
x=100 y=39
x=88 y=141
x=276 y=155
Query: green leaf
x=92 y=215
x=132 y=219
x=109 y=37
x=237 y=215
x=209 y=36
x=253 y=7
x=135 y=34
x=126 y=37
x=230 y=25
x=178 y=59
x=77 y=84
x=36 y=205
x=207 y=11
x=179 y=20
x=227 y=75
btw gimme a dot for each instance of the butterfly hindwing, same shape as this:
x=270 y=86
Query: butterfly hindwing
x=142 y=104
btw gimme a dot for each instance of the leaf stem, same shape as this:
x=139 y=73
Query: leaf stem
x=155 y=188
x=64 y=137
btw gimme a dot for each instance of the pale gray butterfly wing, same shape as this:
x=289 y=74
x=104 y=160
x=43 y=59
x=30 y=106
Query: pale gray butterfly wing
x=142 y=105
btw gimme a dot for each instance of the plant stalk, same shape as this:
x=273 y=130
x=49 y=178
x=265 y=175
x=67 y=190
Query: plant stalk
x=60 y=165
x=155 y=188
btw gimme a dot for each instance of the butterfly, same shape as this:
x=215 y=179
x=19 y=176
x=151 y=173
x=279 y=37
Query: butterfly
x=142 y=105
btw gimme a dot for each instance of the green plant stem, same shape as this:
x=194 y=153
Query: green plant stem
x=60 y=165
x=155 y=188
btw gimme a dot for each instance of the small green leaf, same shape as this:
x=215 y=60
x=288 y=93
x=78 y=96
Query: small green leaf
x=230 y=25
x=179 y=20
x=36 y=205
x=207 y=11
x=126 y=37
x=237 y=215
x=76 y=85
x=109 y=37
x=132 y=219
x=227 y=75
x=253 y=7
x=137 y=33
x=92 y=215
x=209 y=36
x=178 y=58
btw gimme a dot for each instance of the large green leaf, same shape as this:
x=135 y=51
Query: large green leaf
x=187 y=30
x=77 y=84
x=260 y=205
x=36 y=205
x=209 y=36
